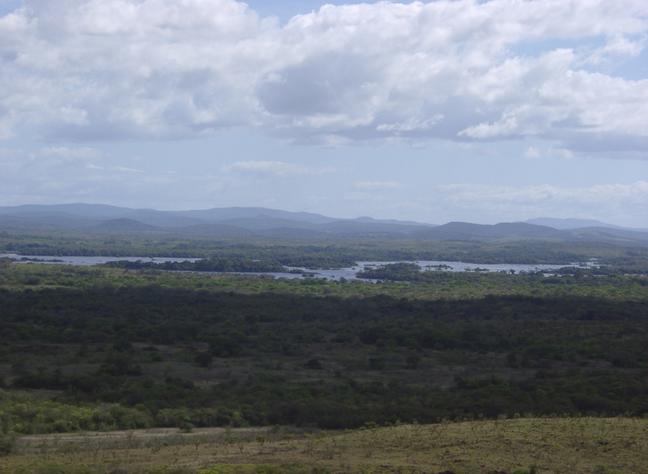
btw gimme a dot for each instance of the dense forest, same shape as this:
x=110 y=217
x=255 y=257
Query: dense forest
x=172 y=350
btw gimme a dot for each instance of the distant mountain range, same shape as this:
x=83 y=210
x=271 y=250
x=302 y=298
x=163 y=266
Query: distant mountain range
x=568 y=224
x=241 y=222
x=220 y=222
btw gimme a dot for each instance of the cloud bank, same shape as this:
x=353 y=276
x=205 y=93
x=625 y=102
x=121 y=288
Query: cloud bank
x=454 y=70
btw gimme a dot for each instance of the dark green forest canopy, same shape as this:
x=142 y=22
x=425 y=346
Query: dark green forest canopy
x=141 y=348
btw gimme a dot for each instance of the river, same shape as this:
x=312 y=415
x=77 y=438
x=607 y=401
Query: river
x=348 y=273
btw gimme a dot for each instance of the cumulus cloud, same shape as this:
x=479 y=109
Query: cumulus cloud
x=452 y=70
x=618 y=46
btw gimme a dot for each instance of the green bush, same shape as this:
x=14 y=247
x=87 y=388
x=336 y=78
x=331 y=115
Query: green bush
x=7 y=443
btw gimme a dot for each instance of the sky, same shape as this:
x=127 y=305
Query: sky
x=481 y=111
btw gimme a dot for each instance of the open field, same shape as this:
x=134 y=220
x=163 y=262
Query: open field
x=542 y=445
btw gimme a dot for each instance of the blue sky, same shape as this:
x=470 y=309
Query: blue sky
x=434 y=111
x=286 y=9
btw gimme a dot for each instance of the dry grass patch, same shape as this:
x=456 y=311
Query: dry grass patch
x=542 y=445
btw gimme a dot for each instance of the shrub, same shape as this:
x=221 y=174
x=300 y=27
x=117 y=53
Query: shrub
x=314 y=364
x=7 y=443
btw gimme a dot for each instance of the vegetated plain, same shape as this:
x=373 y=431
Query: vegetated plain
x=522 y=446
x=102 y=348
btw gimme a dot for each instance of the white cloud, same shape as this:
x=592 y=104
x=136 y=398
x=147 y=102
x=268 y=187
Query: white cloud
x=120 y=69
x=377 y=185
x=618 y=47
x=274 y=168
x=532 y=153
x=69 y=153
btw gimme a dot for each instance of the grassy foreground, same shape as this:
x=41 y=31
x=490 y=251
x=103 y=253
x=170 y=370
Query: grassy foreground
x=539 y=445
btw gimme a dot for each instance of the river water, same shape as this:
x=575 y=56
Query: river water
x=348 y=273
x=89 y=261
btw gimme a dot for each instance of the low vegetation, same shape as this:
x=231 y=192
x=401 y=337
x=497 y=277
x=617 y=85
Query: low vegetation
x=511 y=446
x=327 y=253
x=439 y=285
x=133 y=350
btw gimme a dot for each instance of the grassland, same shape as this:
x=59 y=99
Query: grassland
x=541 y=445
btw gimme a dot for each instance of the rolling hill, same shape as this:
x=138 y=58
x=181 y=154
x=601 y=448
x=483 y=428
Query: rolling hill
x=245 y=222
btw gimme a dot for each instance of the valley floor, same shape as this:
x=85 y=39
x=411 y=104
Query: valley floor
x=540 y=445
